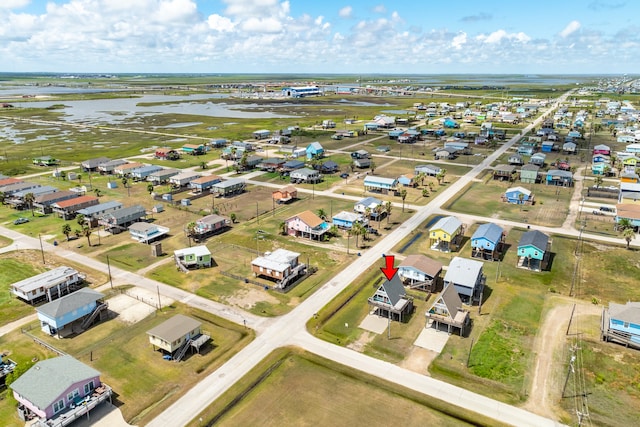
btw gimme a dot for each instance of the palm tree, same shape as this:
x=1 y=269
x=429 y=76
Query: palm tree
x=440 y=176
x=334 y=231
x=431 y=187
x=66 y=230
x=367 y=212
x=97 y=191
x=322 y=214
x=150 y=188
x=628 y=233
x=387 y=208
x=80 y=220
x=191 y=231
x=372 y=166
x=421 y=177
x=425 y=192
x=203 y=165
x=29 y=198
x=2 y=198
x=403 y=195
x=357 y=230
x=86 y=232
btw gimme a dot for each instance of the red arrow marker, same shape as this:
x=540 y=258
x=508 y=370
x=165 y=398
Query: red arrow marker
x=389 y=271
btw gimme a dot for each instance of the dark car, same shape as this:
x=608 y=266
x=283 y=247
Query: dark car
x=344 y=175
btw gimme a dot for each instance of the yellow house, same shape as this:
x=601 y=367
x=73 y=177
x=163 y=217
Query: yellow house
x=446 y=234
x=176 y=333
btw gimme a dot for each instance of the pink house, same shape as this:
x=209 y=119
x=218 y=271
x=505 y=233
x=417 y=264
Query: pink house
x=57 y=388
x=306 y=224
x=602 y=149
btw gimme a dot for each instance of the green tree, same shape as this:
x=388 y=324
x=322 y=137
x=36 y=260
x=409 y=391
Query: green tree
x=626 y=227
x=86 y=232
x=403 y=195
x=598 y=181
x=80 y=219
x=191 y=231
x=379 y=209
x=2 y=198
x=283 y=227
x=372 y=166
x=425 y=192
x=29 y=198
x=203 y=165
x=63 y=175
x=150 y=188
x=334 y=231
x=357 y=230
x=233 y=217
x=66 y=230
x=321 y=213
x=98 y=192
x=421 y=177
x=367 y=212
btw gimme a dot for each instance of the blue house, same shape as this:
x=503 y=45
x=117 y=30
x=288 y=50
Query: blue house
x=487 y=242
x=314 y=151
x=380 y=184
x=518 y=195
x=559 y=177
x=71 y=313
x=525 y=151
x=143 y=173
x=547 y=146
x=347 y=220
x=621 y=323
x=534 y=250
x=450 y=123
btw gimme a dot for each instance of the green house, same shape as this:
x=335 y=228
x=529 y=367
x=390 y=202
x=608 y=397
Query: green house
x=193 y=257
x=45 y=161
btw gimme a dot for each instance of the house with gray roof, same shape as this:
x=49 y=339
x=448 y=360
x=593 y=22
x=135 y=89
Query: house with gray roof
x=448 y=309
x=71 y=313
x=92 y=165
x=49 y=285
x=429 y=170
x=621 y=323
x=228 y=187
x=176 y=335
x=487 y=242
x=446 y=234
x=534 y=250
x=92 y=213
x=370 y=203
x=305 y=175
x=466 y=275
x=281 y=266
x=58 y=390
x=162 y=176
x=390 y=300
x=118 y=220
x=44 y=202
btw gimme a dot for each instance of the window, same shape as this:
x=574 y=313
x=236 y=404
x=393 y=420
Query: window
x=88 y=387
x=58 y=406
x=71 y=395
x=626 y=324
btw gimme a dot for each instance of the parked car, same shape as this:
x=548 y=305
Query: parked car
x=607 y=209
x=344 y=175
x=336 y=136
x=20 y=220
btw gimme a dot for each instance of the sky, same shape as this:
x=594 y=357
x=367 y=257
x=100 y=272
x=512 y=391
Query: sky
x=321 y=36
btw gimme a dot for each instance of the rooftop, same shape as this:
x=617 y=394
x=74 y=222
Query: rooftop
x=174 y=328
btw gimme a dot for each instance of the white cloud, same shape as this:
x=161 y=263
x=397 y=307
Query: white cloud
x=380 y=9
x=571 y=28
x=459 y=40
x=13 y=4
x=262 y=25
x=346 y=12
x=501 y=35
x=220 y=23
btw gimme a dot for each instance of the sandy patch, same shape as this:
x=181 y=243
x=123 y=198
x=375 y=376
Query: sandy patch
x=248 y=298
x=365 y=338
x=418 y=360
x=136 y=304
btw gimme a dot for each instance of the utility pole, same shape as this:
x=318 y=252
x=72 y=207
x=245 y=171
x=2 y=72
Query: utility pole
x=109 y=270
x=257 y=214
x=41 y=248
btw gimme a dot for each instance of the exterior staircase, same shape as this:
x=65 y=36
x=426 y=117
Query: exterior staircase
x=96 y=311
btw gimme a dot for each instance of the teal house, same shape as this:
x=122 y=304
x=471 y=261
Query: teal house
x=534 y=250
x=193 y=257
x=621 y=323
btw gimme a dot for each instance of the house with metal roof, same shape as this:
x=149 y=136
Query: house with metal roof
x=262 y=134
x=110 y=166
x=184 y=178
x=49 y=285
x=118 y=220
x=518 y=195
x=281 y=266
x=560 y=178
x=569 y=147
x=448 y=309
x=20 y=186
x=210 y=224
x=621 y=323
x=347 y=220
x=602 y=149
x=446 y=234
x=194 y=149
x=58 y=391
x=145 y=232
x=92 y=213
x=305 y=175
x=362 y=163
x=504 y=172
x=380 y=184
x=515 y=159
x=314 y=150
x=228 y=187
x=176 y=335
x=370 y=203
x=629 y=193
x=360 y=154
x=43 y=203
x=390 y=300
x=143 y=172
x=487 y=242
x=292 y=165
x=91 y=165
x=204 y=183
x=126 y=168
x=307 y=225
x=71 y=313
x=467 y=277
x=538 y=159
x=529 y=174
x=420 y=272
x=429 y=170
x=534 y=250
x=67 y=209
x=193 y=257
x=162 y=176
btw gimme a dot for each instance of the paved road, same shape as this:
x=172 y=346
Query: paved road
x=290 y=329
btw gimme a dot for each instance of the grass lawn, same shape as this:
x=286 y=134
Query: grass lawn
x=483 y=198
x=292 y=387
x=5 y=241
x=14 y=270
x=145 y=384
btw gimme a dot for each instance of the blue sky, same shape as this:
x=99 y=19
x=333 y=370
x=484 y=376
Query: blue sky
x=329 y=36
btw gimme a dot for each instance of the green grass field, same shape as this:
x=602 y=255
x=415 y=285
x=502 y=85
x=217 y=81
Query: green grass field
x=14 y=270
x=291 y=387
